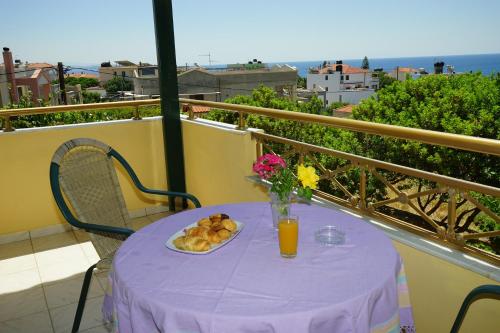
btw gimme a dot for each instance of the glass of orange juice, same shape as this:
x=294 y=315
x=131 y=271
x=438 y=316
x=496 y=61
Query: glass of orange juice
x=288 y=234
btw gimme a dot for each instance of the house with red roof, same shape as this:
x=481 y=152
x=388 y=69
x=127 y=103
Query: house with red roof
x=341 y=82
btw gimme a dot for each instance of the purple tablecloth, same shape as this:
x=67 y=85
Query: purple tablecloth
x=245 y=286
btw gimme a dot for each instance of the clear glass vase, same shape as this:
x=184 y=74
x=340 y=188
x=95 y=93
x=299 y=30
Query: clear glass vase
x=279 y=208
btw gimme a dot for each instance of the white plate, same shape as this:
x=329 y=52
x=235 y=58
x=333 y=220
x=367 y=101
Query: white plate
x=170 y=242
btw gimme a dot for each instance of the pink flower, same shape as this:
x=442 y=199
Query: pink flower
x=267 y=165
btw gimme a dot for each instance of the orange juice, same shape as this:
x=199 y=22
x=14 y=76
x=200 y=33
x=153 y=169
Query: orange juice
x=288 y=234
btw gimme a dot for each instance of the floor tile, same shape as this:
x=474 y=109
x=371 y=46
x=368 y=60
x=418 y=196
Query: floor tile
x=20 y=304
x=62 y=317
x=102 y=277
x=68 y=291
x=53 y=241
x=90 y=252
x=17 y=264
x=156 y=217
x=81 y=236
x=61 y=255
x=33 y=323
x=67 y=270
x=19 y=281
x=100 y=329
x=15 y=249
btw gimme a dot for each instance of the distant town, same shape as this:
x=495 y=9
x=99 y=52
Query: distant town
x=335 y=83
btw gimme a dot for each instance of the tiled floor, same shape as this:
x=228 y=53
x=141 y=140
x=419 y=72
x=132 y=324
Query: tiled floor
x=41 y=278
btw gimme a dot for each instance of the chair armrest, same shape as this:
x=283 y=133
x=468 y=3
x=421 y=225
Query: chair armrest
x=191 y=197
x=142 y=188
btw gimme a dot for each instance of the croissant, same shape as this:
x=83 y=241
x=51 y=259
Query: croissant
x=213 y=237
x=179 y=243
x=224 y=234
x=196 y=244
x=197 y=231
x=216 y=226
x=218 y=217
x=229 y=225
x=205 y=222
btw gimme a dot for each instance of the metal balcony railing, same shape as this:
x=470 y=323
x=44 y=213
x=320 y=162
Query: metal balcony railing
x=443 y=225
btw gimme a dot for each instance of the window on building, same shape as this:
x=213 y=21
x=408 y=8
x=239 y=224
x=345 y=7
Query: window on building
x=326 y=77
x=123 y=74
x=347 y=77
x=114 y=73
x=326 y=101
x=326 y=88
x=342 y=78
x=314 y=85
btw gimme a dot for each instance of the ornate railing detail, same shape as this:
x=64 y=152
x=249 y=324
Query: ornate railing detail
x=440 y=223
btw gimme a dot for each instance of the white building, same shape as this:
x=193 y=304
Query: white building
x=342 y=83
x=402 y=73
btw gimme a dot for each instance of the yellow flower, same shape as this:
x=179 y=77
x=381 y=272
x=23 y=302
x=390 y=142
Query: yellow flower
x=307 y=176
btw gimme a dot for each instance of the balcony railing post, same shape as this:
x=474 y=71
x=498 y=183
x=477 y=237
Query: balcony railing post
x=137 y=116
x=452 y=213
x=362 y=188
x=241 y=121
x=7 y=126
x=190 y=112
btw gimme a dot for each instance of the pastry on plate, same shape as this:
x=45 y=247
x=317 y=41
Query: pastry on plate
x=218 y=217
x=196 y=244
x=229 y=225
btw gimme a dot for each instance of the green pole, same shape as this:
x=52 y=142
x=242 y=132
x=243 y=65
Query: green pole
x=167 y=67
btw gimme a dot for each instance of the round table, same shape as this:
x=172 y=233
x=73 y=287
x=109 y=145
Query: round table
x=245 y=286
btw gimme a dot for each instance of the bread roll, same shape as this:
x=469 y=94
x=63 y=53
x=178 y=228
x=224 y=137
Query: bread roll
x=229 y=225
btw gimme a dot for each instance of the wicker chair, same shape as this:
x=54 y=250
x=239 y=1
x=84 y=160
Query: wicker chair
x=84 y=171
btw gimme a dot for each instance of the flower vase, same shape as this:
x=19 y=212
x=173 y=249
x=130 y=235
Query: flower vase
x=279 y=208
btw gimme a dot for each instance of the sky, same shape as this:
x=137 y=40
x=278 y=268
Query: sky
x=93 y=31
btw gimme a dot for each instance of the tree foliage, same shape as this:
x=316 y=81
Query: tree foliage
x=85 y=82
x=467 y=104
x=118 y=83
x=365 y=64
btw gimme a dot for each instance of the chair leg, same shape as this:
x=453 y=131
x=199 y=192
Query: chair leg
x=83 y=297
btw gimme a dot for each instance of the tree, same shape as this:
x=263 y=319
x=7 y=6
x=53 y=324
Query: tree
x=467 y=104
x=85 y=82
x=118 y=84
x=365 y=64
x=301 y=82
x=384 y=80
x=91 y=97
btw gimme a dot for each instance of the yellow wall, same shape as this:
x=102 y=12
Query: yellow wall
x=26 y=201
x=217 y=161
x=437 y=290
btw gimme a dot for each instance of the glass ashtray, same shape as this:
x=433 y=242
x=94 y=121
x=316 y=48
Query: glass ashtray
x=330 y=235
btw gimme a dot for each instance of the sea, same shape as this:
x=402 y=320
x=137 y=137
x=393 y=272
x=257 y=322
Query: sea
x=484 y=63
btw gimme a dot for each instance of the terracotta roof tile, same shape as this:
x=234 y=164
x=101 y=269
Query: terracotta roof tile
x=38 y=65
x=346 y=69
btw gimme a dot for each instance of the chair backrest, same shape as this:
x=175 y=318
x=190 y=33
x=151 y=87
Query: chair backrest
x=89 y=182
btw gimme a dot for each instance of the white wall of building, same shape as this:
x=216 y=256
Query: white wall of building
x=348 y=96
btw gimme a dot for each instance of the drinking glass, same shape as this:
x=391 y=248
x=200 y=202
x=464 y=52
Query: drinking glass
x=288 y=234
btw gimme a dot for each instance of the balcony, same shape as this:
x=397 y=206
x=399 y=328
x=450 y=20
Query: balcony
x=41 y=277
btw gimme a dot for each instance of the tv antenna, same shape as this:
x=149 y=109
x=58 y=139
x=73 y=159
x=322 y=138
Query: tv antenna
x=210 y=61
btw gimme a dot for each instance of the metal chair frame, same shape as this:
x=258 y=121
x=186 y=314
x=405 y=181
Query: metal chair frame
x=104 y=230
